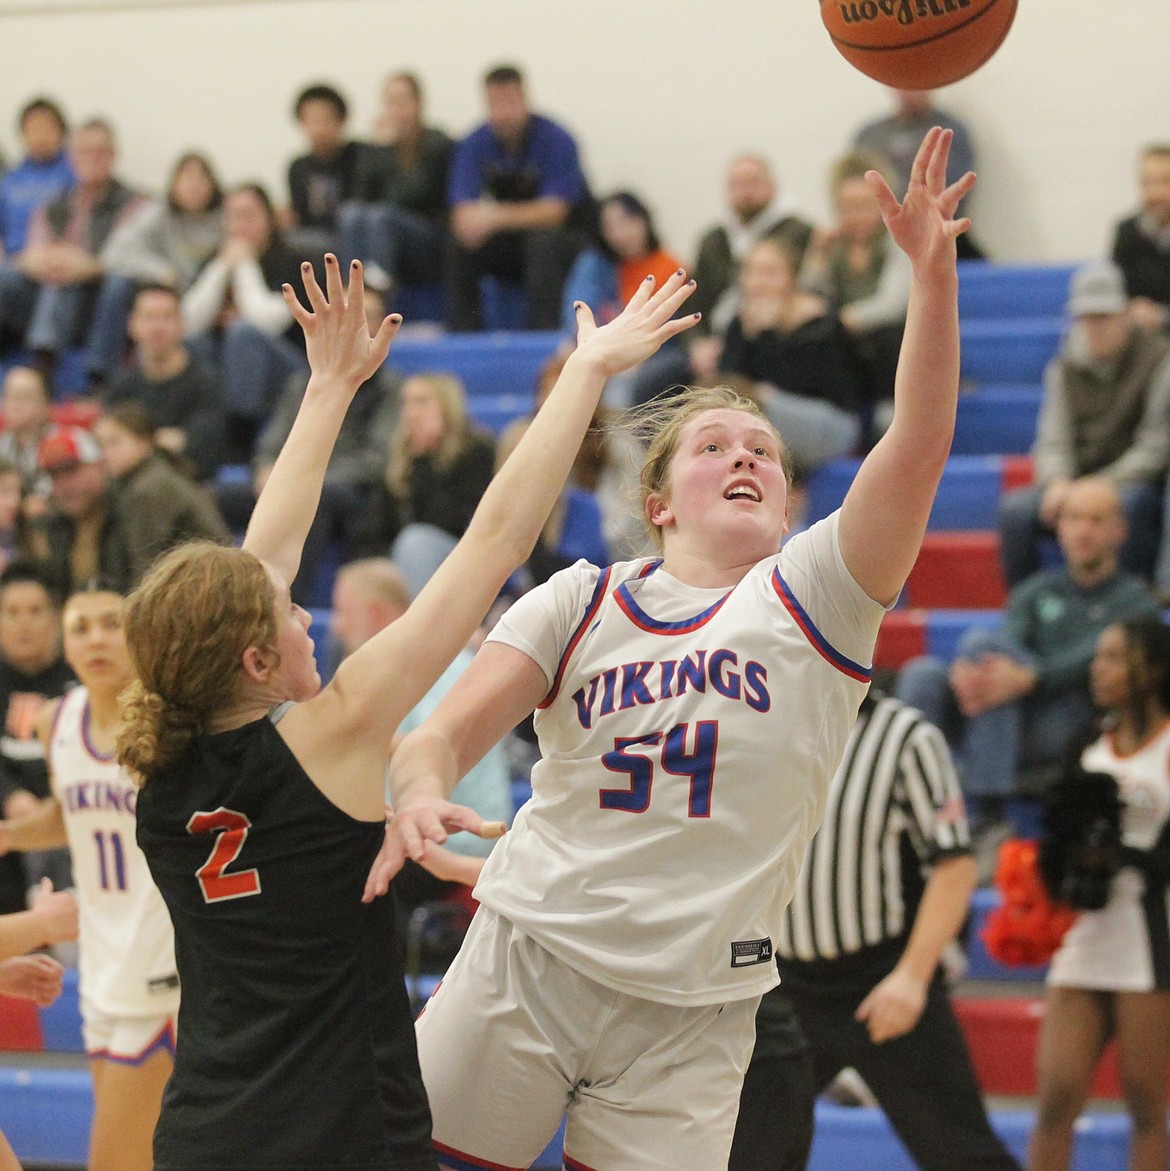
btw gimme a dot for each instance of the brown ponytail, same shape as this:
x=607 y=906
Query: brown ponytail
x=188 y=624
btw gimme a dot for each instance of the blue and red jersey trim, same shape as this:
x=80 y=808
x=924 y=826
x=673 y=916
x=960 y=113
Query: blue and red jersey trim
x=645 y=621
x=590 y=613
x=820 y=643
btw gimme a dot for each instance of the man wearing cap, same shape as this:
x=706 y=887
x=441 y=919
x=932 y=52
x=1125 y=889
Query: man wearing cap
x=1105 y=412
x=81 y=536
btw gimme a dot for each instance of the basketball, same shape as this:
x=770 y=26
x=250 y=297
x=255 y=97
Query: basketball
x=917 y=44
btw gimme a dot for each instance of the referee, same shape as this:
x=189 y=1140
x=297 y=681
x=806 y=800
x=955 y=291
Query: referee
x=884 y=887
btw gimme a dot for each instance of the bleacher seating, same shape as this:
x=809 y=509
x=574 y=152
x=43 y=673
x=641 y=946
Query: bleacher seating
x=997 y=420
x=488 y=363
x=967 y=496
x=1005 y=291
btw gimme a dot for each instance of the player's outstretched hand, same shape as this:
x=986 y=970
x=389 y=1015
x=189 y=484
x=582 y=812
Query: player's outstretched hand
x=923 y=225
x=37 y=978
x=56 y=911
x=417 y=832
x=641 y=327
x=337 y=337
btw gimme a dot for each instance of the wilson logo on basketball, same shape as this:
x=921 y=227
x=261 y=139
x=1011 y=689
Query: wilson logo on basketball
x=903 y=11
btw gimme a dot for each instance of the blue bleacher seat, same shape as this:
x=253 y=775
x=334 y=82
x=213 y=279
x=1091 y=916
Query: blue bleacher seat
x=421 y=302
x=967 y=496
x=1016 y=350
x=1012 y=290
x=997 y=420
x=488 y=363
x=61 y=1021
x=495 y=411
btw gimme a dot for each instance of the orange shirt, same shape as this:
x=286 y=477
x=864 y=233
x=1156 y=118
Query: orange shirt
x=631 y=273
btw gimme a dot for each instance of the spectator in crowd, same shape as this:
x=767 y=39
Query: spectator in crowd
x=896 y=138
x=604 y=277
x=1105 y=412
x=756 y=208
x=856 y=267
x=367 y=596
x=439 y=466
x=322 y=180
x=396 y=223
x=60 y=269
x=1012 y=698
x=13 y=523
x=33 y=673
x=165 y=243
x=169 y=241
x=159 y=504
x=1111 y=976
x=356 y=465
x=181 y=392
x=27 y=420
x=865 y=979
x=1141 y=244
x=796 y=354
x=43 y=174
x=80 y=537
x=520 y=206
x=235 y=313
x=628 y=250
x=784 y=347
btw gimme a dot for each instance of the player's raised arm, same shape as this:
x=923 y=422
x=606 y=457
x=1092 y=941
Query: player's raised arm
x=884 y=515
x=342 y=355
x=512 y=512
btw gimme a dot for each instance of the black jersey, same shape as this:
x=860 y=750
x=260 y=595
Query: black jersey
x=295 y=1042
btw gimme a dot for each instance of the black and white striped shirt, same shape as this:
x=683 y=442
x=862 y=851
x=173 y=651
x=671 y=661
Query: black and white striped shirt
x=894 y=808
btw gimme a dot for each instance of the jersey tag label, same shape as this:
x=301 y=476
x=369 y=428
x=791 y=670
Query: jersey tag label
x=159 y=984
x=750 y=951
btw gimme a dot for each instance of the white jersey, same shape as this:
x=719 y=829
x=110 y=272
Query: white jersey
x=1125 y=946
x=126 y=945
x=688 y=741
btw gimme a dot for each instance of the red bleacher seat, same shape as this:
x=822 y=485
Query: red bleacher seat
x=902 y=637
x=958 y=570
x=1018 y=472
x=20 y=1026
x=1002 y=1034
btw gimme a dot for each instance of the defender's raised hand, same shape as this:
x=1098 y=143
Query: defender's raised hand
x=641 y=327
x=337 y=337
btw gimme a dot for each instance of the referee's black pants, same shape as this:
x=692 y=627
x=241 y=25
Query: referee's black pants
x=923 y=1080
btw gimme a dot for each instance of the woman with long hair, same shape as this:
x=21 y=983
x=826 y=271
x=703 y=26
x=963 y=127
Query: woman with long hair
x=1111 y=976
x=127 y=980
x=261 y=820
x=438 y=467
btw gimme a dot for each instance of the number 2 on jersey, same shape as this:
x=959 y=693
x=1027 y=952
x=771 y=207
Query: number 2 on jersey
x=230 y=828
x=698 y=765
